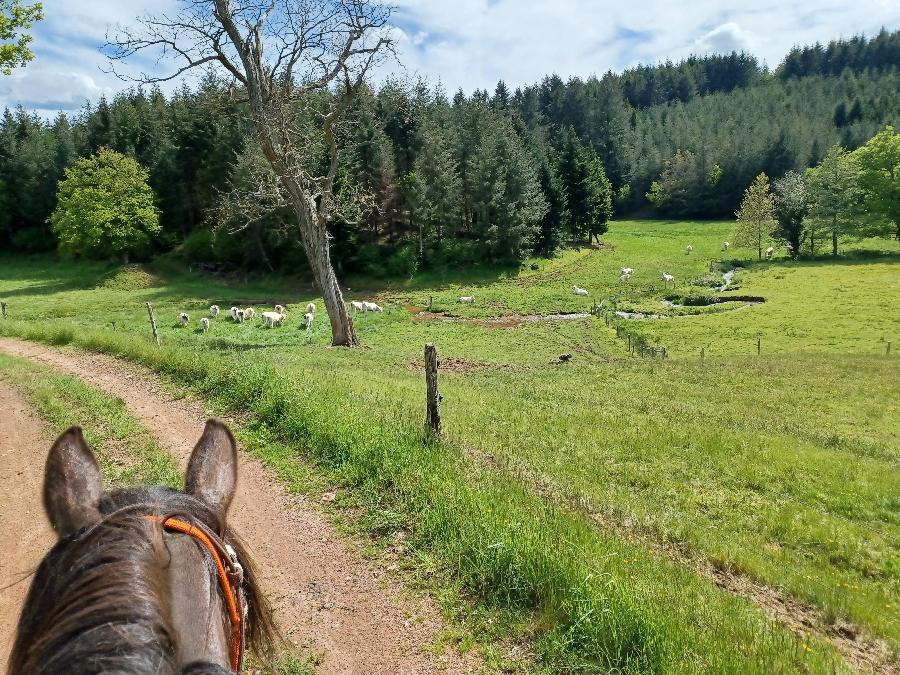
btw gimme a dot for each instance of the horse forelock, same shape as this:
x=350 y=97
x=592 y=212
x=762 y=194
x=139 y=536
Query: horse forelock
x=98 y=601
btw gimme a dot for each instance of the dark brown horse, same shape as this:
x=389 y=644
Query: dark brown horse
x=141 y=580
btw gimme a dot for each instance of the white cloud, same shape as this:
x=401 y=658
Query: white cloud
x=51 y=89
x=724 y=39
x=474 y=43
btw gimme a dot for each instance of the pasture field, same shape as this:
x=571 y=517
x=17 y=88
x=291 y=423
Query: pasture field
x=641 y=511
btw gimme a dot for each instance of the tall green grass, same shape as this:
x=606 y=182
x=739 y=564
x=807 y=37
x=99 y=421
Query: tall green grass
x=600 y=602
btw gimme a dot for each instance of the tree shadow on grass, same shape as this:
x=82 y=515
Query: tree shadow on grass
x=852 y=258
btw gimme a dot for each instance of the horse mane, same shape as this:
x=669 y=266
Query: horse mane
x=97 y=602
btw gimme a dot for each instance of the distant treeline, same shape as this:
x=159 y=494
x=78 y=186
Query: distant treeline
x=486 y=178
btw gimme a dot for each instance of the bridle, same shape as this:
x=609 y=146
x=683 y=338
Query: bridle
x=231 y=579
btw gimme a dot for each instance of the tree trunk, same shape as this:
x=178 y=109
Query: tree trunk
x=314 y=236
x=315 y=242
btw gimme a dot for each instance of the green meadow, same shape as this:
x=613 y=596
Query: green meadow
x=593 y=494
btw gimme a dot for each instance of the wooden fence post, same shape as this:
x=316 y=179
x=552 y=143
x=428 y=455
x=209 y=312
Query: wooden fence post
x=153 y=323
x=887 y=349
x=665 y=354
x=3 y=307
x=758 y=346
x=702 y=353
x=432 y=395
x=430 y=302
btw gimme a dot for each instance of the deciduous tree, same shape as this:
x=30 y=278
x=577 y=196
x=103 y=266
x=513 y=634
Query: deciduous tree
x=835 y=197
x=791 y=207
x=105 y=207
x=879 y=176
x=300 y=63
x=756 y=218
x=15 y=20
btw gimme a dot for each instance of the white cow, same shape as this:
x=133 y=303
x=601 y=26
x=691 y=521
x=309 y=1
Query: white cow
x=579 y=291
x=204 y=324
x=214 y=311
x=467 y=299
x=371 y=307
x=688 y=249
x=769 y=252
x=667 y=278
x=184 y=319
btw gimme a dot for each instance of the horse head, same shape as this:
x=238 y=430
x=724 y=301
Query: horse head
x=145 y=579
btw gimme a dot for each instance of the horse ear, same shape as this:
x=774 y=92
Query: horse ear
x=73 y=484
x=212 y=469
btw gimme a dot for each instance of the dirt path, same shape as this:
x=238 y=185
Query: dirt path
x=25 y=534
x=322 y=591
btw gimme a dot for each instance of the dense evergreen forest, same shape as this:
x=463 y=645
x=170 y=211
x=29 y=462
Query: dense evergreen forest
x=429 y=179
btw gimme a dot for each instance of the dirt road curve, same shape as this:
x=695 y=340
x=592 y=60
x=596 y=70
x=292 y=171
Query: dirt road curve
x=321 y=589
x=25 y=534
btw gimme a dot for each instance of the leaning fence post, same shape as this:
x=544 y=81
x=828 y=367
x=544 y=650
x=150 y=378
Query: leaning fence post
x=153 y=323
x=702 y=353
x=432 y=395
x=887 y=349
x=758 y=346
x=665 y=354
x=3 y=309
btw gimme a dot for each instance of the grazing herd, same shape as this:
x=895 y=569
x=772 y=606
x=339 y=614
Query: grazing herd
x=625 y=273
x=273 y=318
x=279 y=315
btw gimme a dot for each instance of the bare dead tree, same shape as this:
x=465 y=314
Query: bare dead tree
x=294 y=59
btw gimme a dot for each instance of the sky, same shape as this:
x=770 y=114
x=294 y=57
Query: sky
x=472 y=44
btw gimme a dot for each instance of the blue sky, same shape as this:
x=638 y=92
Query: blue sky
x=474 y=43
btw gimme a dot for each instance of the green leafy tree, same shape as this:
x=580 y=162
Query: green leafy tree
x=756 y=218
x=15 y=20
x=835 y=198
x=791 y=207
x=105 y=207
x=879 y=176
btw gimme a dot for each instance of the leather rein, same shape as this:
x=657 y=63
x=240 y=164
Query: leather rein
x=231 y=579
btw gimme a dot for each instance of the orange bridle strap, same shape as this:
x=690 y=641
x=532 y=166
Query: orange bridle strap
x=232 y=594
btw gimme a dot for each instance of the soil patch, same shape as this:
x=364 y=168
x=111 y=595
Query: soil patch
x=25 y=534
x=508 y=321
